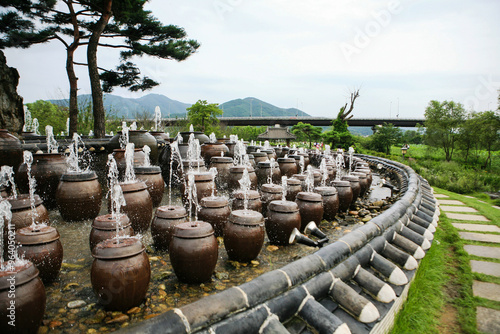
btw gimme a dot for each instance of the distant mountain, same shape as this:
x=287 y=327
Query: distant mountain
x=129 y=108
x=251 y=106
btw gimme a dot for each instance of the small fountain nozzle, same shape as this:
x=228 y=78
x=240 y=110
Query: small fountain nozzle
x=314 y=230
x=297 y=237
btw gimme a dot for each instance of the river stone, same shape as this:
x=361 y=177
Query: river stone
x=76 y=304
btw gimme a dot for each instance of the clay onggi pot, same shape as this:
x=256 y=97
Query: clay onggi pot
x=105 y=227
x=331 y=202
x=120 y=273
x=29 y=298
x=293 y=187
x=282 y=218
x=287 y=166
x=269 y=193
x=222 y=164
x=236 y=173
x=244 y=235
x=209 y=150
x=151 y=176
x=260 y=157
x=138 y=207
x=253 y=197
x=47 y=169
x=41 y=245
x=121 y=163
x=79 y=196
x=140 y=138
x=202 y=138
x=205 y=187
x=311 y=208
x=267 y=170
x=215 y=211
x=345 y=194
x=165 y=219
x=193 y=252
x=363 y=182
x=355 y=185
x=11 y=151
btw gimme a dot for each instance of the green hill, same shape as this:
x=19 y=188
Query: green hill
x=251 y=106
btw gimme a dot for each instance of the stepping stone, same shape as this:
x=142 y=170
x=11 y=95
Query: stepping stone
x=448 y=208
x=483 y=251
x=477 y=227
x=441 y=196
x=449 y=202
x=480 y=237
x=486 y=290
x=469 y=196
x=496 y=207
x=461 y=216
x=484 y=267
x=488 y=320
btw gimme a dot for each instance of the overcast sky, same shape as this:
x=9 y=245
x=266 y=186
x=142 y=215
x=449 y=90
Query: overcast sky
x=309 y=54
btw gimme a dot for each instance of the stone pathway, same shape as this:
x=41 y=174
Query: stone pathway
x=478 y=230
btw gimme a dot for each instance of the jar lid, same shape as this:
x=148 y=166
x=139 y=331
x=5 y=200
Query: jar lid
x=194 y=163
x=252 y=194
x=250 y=156
x=316 y=173
x=271 y=188
x=286 y=160
x=221 y=160
x=23 y=201
x=246 y=217
x=283 y=206
x=203 y=176
x=294 y=156
x=193 y=230
x=118 y=248
x=264 y=164
x=309 y=197
x=326 y=191
x=147 y=169
x=259 y=154
x=338 y=183
x=300 y=177
x=38 y=235
x=267 y=151
x=214 y=202
x=48 y=156
x=23 y=273
x=293 y=182
x=240 y=169
x=359 y=175
x=107 y=222
x=79 y=176
x=350 y=178
x=171 y=212
x=133 y=186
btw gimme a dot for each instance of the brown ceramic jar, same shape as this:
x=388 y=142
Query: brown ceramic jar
x=251 y=160
x=282 y=218
x=302 y=178
x=120 y=273
x=79 y=196
x=41 y=246
x=363 y=182
x=193 y=252
x=253 y=197
x=267 y=170
x=260 y=157
x=236 y=173
x=121 y=163
x=11 y=151
x=287 y=166
x=355 y=185
x=222 y=164
x=293 y=187
x=105 y=227
x=215 y=211
x=344 y=191
x=209 y=150
x=368 y=174
x=47 y=169
x=140 y=138
x=330 y=198
x=151 y=176
x=162 y=227
x=205 y=187
x=310 y=207
x=269 y=193
x=270 y=153
x=29 y=298
x=138 y=207
x=244 y=235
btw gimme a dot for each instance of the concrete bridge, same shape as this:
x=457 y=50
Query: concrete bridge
x=316 y=121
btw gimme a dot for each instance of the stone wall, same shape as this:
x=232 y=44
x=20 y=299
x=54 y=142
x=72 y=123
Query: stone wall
x=11 y=104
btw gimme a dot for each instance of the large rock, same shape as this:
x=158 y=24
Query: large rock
x=11 y=104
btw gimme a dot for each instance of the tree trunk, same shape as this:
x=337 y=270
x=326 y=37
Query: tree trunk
x=73 y=92
x=95 y=82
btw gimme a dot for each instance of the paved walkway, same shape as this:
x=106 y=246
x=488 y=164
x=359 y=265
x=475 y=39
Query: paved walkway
x=474 y=227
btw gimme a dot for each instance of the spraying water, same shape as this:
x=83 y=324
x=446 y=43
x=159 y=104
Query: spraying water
x=339 y=163
x=302 y=164
x=7 y=177
x=27 y=120
x=129 y=163
x=174 y=156
x=245 y=187
x=267 y=145
x=28 y=160
x=133 y=126
x=5 y=216
x=157 y=118
x=214 y=172
x=324 y=172
x=213 y=138
x=147 y=150
x=194 y=151
x=52 y=146
x=67 y=126
x=239 y=152
x=192 y=195
x=351 y=152
x=284 y=184
x=327 y=150
x=124 y=136
x=77 y=155
x=35 y=126
x=191 y=128
x=270 y=176
x=309 y=179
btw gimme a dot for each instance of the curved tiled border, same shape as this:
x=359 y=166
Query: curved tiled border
x=356 y=284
